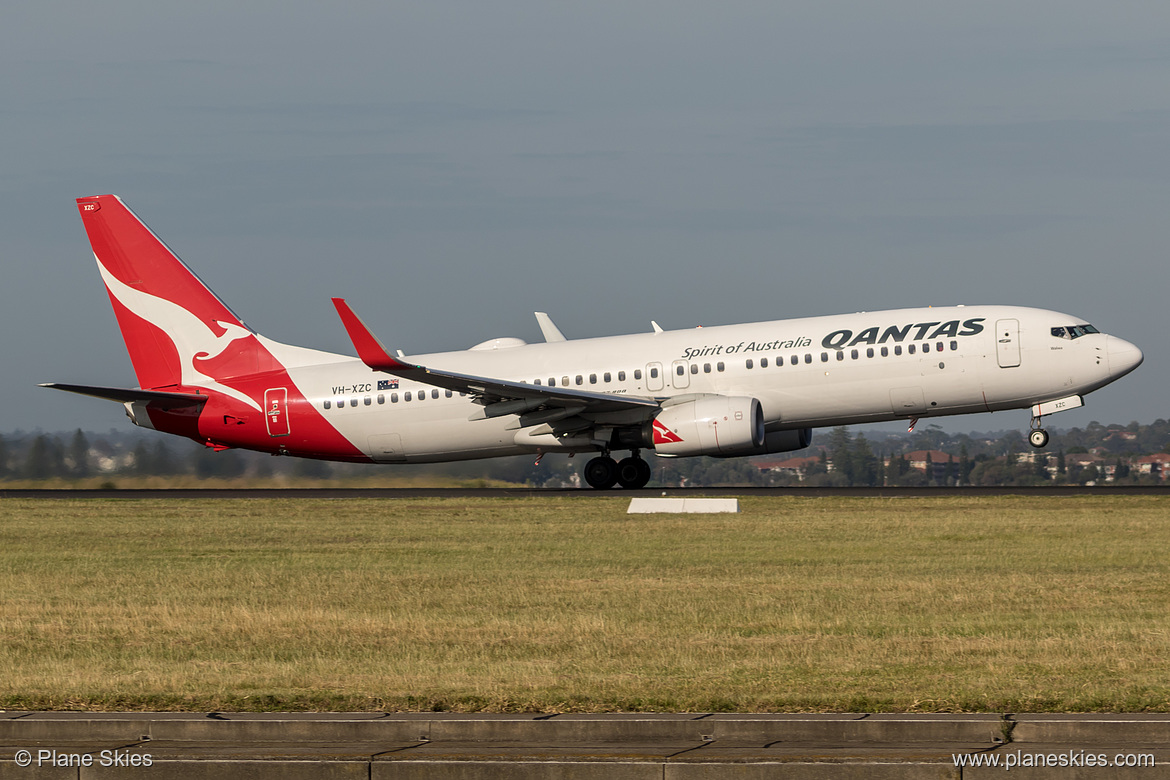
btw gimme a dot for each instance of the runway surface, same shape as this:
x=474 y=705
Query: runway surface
x=689 y=746
x=651 y=492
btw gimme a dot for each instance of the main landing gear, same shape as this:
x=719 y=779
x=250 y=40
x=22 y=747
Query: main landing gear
x=631 y=473
x=1038 y=438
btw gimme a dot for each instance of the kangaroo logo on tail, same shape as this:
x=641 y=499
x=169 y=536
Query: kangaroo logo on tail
x=194 y=341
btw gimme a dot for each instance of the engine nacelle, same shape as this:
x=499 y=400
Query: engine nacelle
x=777 y=441
x=712 y=425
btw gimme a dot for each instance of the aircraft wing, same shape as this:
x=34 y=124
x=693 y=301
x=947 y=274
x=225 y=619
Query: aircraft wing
x=500 y=396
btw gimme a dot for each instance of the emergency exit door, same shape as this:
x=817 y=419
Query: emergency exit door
x=1007 y=343
x=654 y=378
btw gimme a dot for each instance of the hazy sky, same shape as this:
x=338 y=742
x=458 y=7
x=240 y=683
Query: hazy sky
x=451 y=167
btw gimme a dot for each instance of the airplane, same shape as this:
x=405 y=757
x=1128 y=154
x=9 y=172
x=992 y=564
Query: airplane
x=724 y=391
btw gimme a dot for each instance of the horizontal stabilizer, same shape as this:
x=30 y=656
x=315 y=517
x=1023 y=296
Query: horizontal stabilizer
x=159 y=398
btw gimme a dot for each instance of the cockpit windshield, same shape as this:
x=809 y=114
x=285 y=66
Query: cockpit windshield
x=1073 y=331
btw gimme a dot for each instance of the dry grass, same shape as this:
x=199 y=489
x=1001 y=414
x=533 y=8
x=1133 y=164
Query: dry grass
x=558 y=604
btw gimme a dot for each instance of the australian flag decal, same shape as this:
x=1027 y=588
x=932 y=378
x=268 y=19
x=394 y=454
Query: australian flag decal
x=387 y=384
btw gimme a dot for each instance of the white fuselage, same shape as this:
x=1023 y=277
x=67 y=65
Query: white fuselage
x=806 y=373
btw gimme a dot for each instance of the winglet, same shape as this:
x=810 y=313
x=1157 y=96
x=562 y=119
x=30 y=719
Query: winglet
x=369 y=349
x=656 y=326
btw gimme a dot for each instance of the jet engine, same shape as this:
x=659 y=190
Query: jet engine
x=711 y=425
x=776 y=441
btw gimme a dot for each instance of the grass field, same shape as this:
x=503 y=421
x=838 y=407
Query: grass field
x=567 y=604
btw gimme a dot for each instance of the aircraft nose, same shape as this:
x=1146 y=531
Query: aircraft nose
x=1123 y=356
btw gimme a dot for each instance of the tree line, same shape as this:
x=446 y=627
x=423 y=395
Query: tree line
x=841 y=458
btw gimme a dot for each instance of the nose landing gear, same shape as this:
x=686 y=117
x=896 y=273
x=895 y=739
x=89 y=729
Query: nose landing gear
x=1038 y=438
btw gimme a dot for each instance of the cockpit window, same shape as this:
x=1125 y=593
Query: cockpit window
x=1073 y=331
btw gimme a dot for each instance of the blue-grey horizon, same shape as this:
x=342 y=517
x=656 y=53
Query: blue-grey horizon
x=451 y=168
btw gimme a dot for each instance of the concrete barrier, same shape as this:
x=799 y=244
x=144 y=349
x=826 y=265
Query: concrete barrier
x=681 y=746
x=1148 y=729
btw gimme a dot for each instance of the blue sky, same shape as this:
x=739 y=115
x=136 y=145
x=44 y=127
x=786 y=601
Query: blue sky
x=451 y=167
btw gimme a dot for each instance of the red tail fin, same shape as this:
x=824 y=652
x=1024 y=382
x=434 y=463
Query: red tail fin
x=176 y=330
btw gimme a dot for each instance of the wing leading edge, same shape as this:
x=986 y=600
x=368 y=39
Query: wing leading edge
x=500 y=396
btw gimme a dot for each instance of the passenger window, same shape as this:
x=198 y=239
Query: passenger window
x=367 y=400
x=394 y=398
x=328 y=404
x=910 y=349
x=580 y=379
x=840 y=355
x=938 y=347
x=552 y=381
x=536 y=381
x=897 y=349
x=564 y=381
x=448 y=393
x=954 y=345
x=680 y=370
x=763 y=362
x=406 y=395
x=719 y=366
x=885 y=351
x=853 y=354
x=749 y=363
x=593 y=379
x=421 y=395
x=606 y=377
x=435 y=393
x=869 y=352
x=621 y=376
x=353 y=402
x=381 y=398
x=794 y=360
x=926 y=346
x=706 y=368
x=695 y=368
x=824 y=357
x=653 y=373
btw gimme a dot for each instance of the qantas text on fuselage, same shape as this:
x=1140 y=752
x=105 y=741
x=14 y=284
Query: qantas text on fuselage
x=724 y=391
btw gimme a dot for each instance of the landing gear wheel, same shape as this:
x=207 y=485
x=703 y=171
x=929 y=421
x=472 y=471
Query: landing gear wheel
x=601 y=473
x=1038 y=438
x=633 y=473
